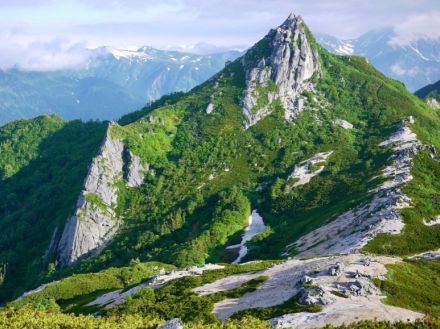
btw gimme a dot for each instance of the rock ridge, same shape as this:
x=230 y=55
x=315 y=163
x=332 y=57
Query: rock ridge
x=281 y=75
x=353 y=229
x=94 y=221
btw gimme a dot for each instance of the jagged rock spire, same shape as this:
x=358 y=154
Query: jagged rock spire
x=282 y=73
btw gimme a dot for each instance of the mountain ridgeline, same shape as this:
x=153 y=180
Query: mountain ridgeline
x=336 y=158
x=414 y=62
x=111 y=83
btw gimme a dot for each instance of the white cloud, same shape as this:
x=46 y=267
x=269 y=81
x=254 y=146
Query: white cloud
x=418 y=26
x=43 y=56
x=200 y=23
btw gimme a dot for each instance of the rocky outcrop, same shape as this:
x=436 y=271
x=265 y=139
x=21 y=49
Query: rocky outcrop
x=311 y=282
x=306 y=170
x=209 y=108
x=94 y=222
x=283 y=75
x=433 y=103
x=353 y=229
x=343 y=123
x=136 y=171
x=315 y=295
x=172 y=324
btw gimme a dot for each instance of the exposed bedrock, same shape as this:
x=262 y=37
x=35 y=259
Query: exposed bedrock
x=94 y=221
x=283 y=75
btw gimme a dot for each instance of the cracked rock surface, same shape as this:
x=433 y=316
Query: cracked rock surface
x=94 y=223
x=291 y=64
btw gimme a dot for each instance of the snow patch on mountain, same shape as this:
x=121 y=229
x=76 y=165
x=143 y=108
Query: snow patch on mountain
x=130 y=54
x=346 y=47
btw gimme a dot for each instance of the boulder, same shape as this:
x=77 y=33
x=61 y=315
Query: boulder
x=336 y=270
x=172 y=324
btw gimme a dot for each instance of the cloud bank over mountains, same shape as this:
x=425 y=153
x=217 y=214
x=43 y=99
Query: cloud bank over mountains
x=50 y=35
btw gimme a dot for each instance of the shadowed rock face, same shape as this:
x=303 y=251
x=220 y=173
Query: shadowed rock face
x=94 y=222
x=291 y=64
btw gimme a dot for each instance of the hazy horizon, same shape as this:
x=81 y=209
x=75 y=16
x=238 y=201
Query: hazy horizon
x=49 y=34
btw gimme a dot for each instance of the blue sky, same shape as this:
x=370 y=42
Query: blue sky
x=50 y=34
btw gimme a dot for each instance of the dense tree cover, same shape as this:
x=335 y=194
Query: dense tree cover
x=20 y=141
x=52 y=157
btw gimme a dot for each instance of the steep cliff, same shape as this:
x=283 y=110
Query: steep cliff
x=94 y=222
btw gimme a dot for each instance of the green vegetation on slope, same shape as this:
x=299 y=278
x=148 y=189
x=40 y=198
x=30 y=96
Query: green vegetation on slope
x=414 y=285
x=20 y=141
x=73 y=292
x=207 y=172
x=177 y=300
x=416 y=237
x=50 y=158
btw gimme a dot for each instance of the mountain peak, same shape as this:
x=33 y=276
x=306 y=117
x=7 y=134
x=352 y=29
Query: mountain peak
x=291 y=21
x=279 y=67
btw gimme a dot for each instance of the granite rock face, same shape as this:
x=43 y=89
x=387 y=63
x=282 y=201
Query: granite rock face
x=136 y=171
x=283 y=75
x=94 y=222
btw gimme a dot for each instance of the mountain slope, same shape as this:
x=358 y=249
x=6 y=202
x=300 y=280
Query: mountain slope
x=431 y=94
x=416 y=64
x=113 y=83
x=333 y=155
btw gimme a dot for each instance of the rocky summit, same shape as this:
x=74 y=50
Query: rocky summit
x=282 y=75
x=295 y=188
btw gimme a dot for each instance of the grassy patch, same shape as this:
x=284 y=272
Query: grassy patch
x=414 y=285
x=290 y=306
x=75 y=291
x=177 y=300
x=339 y=294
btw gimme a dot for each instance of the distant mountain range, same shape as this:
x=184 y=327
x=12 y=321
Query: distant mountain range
x=416 y=64
x=118 y=81
x=114 y=82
